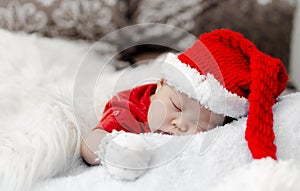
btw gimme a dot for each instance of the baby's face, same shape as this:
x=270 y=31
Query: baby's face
x=175 y=113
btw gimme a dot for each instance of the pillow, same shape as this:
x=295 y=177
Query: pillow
x=74 y=19
x=267 y=23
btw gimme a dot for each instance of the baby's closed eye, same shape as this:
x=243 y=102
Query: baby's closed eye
x=175 y=105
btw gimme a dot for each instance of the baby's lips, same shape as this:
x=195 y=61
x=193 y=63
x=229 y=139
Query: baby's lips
x=162 y=132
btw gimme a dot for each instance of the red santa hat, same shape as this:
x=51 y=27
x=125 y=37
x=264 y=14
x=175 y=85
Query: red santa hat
x=227 y=74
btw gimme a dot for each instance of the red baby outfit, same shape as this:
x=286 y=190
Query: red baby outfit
x=128 y=110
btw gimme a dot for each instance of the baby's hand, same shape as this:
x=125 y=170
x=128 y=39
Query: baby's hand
x=126 y=156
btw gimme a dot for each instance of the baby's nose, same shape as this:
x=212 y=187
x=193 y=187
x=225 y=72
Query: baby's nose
x=183 y=128
x=180 y=124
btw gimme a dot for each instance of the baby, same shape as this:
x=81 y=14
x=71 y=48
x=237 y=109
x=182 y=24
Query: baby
x=169 y=112
x=223 y=76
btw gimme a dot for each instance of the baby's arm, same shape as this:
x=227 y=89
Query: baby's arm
x=90 y=144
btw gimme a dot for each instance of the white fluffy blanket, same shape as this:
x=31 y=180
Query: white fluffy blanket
x=39 y=138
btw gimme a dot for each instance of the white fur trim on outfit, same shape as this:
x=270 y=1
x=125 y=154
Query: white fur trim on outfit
x=204 y=88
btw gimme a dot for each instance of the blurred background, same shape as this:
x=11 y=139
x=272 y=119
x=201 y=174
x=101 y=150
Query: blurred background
x=271 y=24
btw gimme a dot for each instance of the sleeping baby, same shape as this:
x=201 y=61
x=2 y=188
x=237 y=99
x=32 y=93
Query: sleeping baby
x=222 y=77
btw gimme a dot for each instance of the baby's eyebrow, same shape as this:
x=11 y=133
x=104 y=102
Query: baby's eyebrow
x=176 y=96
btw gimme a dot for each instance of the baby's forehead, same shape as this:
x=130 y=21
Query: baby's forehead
x=178 y=92
x=184 y=98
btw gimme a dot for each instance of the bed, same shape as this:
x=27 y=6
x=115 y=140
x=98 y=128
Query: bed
x=53 y=90
x=43 y=119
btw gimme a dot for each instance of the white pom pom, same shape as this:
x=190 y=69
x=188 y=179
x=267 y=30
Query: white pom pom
x=127 y=156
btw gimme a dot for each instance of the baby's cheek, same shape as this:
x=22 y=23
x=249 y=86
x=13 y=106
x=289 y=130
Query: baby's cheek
x=156 y=115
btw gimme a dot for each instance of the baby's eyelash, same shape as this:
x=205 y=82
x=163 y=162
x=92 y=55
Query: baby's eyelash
x=178 y=108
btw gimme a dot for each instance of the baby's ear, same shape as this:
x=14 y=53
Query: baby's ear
x=160 y=83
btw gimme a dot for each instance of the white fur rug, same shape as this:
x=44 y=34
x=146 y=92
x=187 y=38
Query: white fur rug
x=38 y=135
x=39 y=138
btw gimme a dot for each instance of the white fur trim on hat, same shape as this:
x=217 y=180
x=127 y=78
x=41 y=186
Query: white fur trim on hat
x=204 y=88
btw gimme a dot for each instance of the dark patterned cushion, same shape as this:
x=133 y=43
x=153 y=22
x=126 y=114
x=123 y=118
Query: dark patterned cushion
x=79 y=19
x=268 y=23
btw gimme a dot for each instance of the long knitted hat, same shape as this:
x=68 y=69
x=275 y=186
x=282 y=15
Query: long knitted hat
x=227 y=74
